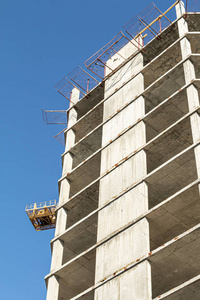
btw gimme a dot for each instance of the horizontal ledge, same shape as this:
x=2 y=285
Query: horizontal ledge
x=178 y=288
x=126 y=129
x=122 y=108
x=135 y=183
x=146 y=66
x=148 y=256
x=130 y=155
x=144 y=215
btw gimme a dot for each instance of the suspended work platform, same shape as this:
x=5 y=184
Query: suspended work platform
x=42 y=215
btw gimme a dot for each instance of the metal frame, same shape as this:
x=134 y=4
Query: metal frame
x=190 y=6
x=46 y=113
x=59 y=90
x=97 y=57
x=76 y=72
x=149 y=26
x=59 y=138
x=42 y=215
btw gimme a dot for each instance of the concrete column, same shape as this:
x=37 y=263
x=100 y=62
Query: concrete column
x=67 y=167
x=64 y=191
x=189 y=73
x=195 y=124
x=182 y=24
x=57 y=255
x=61 y=221
x=133 y=242
x=70 y=135
x=52 y=288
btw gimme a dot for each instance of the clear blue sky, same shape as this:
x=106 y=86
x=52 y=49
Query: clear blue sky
x=41 y=41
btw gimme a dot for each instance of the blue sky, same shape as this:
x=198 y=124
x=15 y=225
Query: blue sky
x=41 y=42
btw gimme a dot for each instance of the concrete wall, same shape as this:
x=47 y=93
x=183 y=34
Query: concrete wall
x=122 y=211
x=123 y=146
x=124 y=231
x=122 y=177
x=133 y=284
x=129 y=49
x=133 y=242
x=121 y=250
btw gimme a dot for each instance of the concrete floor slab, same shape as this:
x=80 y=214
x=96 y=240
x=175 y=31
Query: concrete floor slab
x=89 y=122
x=168 y=84
x=82 y=204
x=84 y=174
x=76 y=276
x=86 y=147
x=156 y=46
x=92 y=99
x=193 y=21
x=171 y=177
x=173 y=141
x=167 y=60
x=187 y=290
x=167 y=114
x=174 y=217
x=170 y=266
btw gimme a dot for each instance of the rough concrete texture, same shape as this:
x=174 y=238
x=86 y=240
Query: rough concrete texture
x=130 y=69
x=125 y=94
x=53 y=288
x=128 y=221
x=129 y=49
x=119 y=213
x=127 y=286
x=187 y=290
x=123 y=119
x=122 y=249
x=122 y=147
x=122 y=177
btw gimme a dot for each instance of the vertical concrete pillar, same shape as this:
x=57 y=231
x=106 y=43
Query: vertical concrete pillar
x=133 y=242
x=70 y=135
x=57 y=254
x=189 y=73
x=61 y=220
x=52 y=288
x=67 y=165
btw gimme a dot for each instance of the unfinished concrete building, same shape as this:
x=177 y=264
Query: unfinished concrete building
x=128 y=219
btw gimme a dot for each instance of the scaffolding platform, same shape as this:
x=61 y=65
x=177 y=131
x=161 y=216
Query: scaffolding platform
x=42 y=215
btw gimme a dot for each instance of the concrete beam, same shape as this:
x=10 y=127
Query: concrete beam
x=127 y=285
x=53 y=288
x=187 y=290
x=176 y=244
x=176 y=104
x=184 y=205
